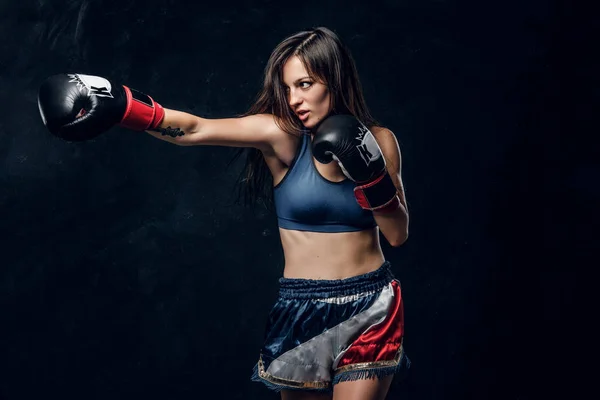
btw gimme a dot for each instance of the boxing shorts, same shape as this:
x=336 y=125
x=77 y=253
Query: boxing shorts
x=322 y=332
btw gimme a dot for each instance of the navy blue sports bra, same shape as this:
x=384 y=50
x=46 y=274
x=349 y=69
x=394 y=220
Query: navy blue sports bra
x=305 y=201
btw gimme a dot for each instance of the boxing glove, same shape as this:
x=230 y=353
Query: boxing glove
x=346 y=140
x=77 y=107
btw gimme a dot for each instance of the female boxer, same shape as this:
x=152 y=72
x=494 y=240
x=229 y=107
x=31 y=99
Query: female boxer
x=336 y=329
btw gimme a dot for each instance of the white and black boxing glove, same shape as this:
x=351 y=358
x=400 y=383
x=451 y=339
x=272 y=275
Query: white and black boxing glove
x=345 y=139
x=77 y=107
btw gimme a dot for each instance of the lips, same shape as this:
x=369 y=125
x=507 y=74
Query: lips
x=302 y=114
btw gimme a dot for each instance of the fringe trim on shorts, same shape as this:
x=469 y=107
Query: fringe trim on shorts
x=278 y=388
x=375 y=372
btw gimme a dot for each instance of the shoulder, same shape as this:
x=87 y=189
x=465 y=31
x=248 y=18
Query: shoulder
x=272 y=138
x=281 y=145
x=387 y=142
x=267 y=123
x=272 y=127
x=382 y=132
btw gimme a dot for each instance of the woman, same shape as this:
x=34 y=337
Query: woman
x=336 y=329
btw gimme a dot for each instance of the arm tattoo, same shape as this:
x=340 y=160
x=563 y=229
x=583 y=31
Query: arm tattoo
x=169 y=131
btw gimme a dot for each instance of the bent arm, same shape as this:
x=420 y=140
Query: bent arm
x=183 y=129
x=394 y=225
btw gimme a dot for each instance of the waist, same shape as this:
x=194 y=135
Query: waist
x=315 y=255
x=294 y=288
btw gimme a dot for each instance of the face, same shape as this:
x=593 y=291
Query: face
x=308 y=99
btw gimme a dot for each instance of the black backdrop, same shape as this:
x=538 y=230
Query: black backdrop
x=128 y=272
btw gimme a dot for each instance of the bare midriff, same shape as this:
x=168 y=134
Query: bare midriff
x=316 y=255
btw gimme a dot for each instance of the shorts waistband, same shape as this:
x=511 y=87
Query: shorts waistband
x=315 y=289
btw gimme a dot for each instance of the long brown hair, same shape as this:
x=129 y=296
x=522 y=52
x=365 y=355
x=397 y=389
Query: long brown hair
x=326 y=60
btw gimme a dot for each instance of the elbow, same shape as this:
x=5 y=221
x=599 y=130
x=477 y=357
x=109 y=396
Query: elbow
x=182 y=143
x=185 y=130
x=186 y=140
x=398 y=240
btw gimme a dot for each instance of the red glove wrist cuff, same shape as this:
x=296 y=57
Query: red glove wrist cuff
x=142 y=111
x=390 y=207
x=378 y=195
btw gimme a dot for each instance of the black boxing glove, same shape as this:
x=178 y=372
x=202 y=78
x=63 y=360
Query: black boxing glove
x=346 y=140
x=77 y=107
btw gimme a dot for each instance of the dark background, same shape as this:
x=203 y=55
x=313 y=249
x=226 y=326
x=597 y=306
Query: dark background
x=128 y=272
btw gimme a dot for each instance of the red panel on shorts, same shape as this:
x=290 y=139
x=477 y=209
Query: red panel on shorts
x=382 y=341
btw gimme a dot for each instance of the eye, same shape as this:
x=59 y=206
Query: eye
x=305 y=84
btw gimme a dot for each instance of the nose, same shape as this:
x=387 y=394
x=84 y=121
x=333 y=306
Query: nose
x=294 y=98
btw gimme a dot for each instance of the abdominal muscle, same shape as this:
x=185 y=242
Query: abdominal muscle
x=316 y=255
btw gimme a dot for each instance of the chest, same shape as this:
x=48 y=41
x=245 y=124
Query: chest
x=331 y=172
x=279 y=166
